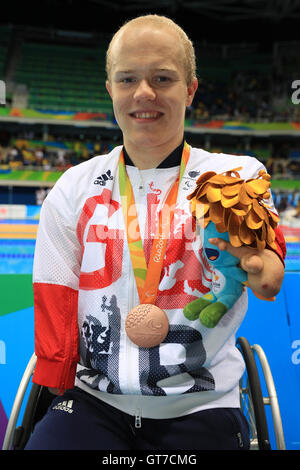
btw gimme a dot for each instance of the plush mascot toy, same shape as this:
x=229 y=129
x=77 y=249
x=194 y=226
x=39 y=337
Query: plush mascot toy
x=228 y=207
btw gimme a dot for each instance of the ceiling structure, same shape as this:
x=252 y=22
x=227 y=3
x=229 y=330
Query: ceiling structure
x=228 y=10
x=236 y=20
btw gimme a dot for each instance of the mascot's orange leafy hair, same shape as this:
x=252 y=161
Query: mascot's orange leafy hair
x=236 y=206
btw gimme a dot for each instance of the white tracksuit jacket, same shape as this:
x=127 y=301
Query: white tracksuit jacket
x=84 y=288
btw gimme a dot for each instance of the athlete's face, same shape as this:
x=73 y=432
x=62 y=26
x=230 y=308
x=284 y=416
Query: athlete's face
x=148 y=87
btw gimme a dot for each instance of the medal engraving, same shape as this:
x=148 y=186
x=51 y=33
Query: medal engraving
x=147 y=325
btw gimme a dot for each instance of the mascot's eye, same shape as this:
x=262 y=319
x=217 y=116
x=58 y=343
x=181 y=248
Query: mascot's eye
x=212 y=254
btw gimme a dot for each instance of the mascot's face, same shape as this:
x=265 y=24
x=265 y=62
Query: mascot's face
x=214 y=256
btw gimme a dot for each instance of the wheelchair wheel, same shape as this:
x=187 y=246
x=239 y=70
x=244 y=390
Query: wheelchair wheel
x=251 y=398
x=11 y=426
x=38 y=402
x=271 y=396
x=39 y=399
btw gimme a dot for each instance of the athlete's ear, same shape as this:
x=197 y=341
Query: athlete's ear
x=108 y=87
x=191 y=90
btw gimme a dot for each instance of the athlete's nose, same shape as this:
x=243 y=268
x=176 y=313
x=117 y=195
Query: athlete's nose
x=144 y=92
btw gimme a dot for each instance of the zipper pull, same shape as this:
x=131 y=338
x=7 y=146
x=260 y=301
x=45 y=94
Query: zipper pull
x=138 y=419
x=141 y=182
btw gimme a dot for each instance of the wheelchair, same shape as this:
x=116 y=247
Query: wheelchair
x=252 y=403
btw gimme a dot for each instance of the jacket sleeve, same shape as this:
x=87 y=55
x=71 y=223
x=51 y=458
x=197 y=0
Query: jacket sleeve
x=55 y=286
x=280 y=244
x=279 y=237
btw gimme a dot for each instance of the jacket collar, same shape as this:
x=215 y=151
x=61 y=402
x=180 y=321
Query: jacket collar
x=174 y=159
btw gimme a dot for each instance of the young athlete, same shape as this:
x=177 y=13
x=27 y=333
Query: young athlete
x=117 y=259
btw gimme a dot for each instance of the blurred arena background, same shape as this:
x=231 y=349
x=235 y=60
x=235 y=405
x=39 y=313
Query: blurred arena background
x=55 y=113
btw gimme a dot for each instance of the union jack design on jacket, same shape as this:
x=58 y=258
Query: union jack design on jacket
x=84 y=288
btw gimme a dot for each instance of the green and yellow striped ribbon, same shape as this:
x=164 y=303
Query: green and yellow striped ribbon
x=135 y=243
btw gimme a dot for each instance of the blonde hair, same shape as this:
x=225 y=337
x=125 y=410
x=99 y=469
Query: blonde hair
x=189 y=60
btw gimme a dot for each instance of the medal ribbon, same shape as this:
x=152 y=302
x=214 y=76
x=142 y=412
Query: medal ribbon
x=148 y=277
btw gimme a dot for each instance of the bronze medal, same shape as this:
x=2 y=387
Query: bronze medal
x=147 y=325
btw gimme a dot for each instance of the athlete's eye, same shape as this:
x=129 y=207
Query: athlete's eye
x=127 y=80
x=162 y=79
